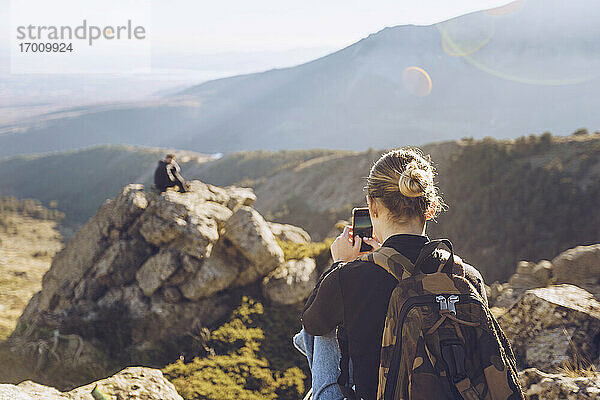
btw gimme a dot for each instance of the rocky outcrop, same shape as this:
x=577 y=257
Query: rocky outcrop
x=250 y=234
x=149 y=271
x=292 y=282
x=289 y=233
x=579 y=266
x=540 y=385
x=131 y=383
x=531 y=275
x=553 y=327
x=527 y=275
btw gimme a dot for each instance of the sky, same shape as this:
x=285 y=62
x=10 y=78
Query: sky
x=239 y=34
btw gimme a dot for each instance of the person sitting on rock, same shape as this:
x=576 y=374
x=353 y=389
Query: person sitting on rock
x=167 y=174
x=354 y=293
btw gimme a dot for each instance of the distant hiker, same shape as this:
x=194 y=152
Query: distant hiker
x=167 y=174
x=440 y=341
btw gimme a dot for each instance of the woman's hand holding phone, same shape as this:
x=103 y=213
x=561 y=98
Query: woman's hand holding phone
x=342 y=248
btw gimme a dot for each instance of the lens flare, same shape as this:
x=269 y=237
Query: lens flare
x=487 y=42
x=417 y=81
x=463 y=39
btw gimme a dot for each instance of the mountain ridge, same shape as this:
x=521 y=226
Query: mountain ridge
x=489 y=75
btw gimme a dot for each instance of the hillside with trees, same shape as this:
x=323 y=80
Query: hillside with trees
x=508 y=199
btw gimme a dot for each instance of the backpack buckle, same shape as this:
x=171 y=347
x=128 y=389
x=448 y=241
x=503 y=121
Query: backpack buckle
x=442 y=302
x=447 y=304
x=452 y=300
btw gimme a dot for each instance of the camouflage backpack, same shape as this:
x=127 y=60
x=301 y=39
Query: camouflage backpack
x=440 y=340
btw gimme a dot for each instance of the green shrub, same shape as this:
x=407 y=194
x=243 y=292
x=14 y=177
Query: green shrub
x=254 y=358
x=297 y=251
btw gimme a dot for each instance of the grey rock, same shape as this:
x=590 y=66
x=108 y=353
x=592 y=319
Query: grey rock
x=71 y=264
x=527 y=275
x=539 y=385
x=177 y=220
x=29 y=390
x=240 y=197
x=289 y=233
x=579 y=266
x=549 y=327
x=292 y=282
x=530 y=275
x=214 y=275
x=250 y=234
x=171 y=294
x=131 y=383
x=156 y=271
x=120 y=261
x=232 y=197
x=135 y=300
x=159 y=231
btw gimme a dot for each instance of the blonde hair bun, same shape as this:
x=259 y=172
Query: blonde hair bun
x=413 y=181
x=403 y=180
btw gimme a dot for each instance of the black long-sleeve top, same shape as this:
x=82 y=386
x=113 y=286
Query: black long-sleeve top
x=356 y=295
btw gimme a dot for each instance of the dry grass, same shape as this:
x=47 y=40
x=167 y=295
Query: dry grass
x=27 y=246
x=575 y=371
x=579 y=365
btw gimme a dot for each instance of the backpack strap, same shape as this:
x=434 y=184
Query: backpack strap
x=401 y=267
x=432 y=246
x=343 y=380
x=392 y=261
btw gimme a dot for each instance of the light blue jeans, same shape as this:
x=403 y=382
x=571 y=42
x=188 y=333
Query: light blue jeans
x=323 y=356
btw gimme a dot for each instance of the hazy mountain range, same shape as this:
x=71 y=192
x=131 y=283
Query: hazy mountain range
x=529 y=67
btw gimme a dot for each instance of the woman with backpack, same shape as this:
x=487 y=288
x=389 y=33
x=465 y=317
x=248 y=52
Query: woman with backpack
x=353 y=295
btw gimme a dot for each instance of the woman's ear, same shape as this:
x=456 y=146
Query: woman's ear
x=372 y=206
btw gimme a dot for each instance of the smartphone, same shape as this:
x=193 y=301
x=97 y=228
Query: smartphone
x=362 y=226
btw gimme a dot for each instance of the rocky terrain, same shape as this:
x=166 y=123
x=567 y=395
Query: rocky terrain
x=133 y=383
x=146 y=276
x=553 y=323
x=153 y=278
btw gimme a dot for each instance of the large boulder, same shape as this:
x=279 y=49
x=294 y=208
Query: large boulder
x=527 y=275
x=214 y=275
x=530 y=275
x=579 y=266
x=553 y=327
x=232 y=197
x=30 y=391
x=173 y=221
x=156 y=270
x=144 y=274
x=134 y=383
x=289 y=233
x=292 y=282
x=247 y=231
x=540 y=385
x=131 y=383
